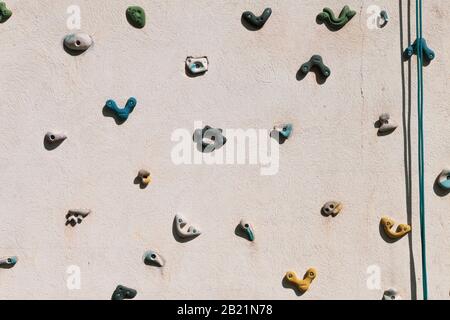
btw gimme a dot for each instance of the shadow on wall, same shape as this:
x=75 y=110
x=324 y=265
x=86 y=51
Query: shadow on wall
x=406 y=122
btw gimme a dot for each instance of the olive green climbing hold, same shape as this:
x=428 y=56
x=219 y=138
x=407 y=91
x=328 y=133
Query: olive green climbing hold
x=5 y=13
x=327 y=16
x=316 y=61
x=136 y=16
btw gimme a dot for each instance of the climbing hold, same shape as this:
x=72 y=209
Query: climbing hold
x=384 y=18
x=151 y=257
x=8 y=262
x=184 y=229
x=136 y=16
x=248 y=229
x=332 y=208
x=5 y=13
x=316 y=61
x=257 y=22
x=388 y=224
x=55 y=138
x=302 y=285
x=76 y=216
x=386 y=125
x=427 y=53
x=145 y=176
x=284 y=130
x=123 y=113
x=209 y=139
x=197 y=66
x=123 y=292
x=327 y=16
x=391 y=294
x=78 y=41
x=444 y=179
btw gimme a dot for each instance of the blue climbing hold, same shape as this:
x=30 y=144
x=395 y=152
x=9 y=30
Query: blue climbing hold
x=427 y=53
x=123 y=113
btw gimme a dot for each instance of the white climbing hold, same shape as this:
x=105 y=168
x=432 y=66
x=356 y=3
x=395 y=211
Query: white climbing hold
x=55 y=137
x=151 y=257
x=332 y=208
x=391 y=294
x=78 y=41
x=184 y=229
x=197 y=65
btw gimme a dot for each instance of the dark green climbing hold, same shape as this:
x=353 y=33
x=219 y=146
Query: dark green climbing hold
x=136 y=16
x=257 y=22
x=5 y=13
x=427 y=53
x=327 y=16
x=123 y=292
x=316 y=61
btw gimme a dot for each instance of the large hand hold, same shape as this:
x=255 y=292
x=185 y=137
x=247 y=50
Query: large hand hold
x=255 y=21
x=123 y=113
x=388 y=226
x=302 y=284
x=327 y=16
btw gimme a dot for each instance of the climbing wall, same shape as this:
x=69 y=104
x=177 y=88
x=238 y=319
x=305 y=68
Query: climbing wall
x=254 y=81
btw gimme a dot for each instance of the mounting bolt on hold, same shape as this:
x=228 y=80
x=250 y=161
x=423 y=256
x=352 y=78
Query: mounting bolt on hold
x=332 y=208
x=248 y=229
x=388 y=227
x=257 y=22
x=197 y=66
x=122 y=293
x=302 y=284
x=184 y=229
x=136 y=16
x=328 y=17
x=152 y=258
x=8 y=262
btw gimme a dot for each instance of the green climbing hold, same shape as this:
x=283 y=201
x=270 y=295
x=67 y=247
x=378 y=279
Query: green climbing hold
x=5 y=13
x=136 y=16
x=327 y=16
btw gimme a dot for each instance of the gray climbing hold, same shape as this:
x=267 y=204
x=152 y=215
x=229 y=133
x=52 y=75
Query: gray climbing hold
x=332 y=208
x=391 y=294
x=8 y=262
x=209 y=139
x=248 y=229
x=384 y=18
x=197 y=65
x=78 y=41
x=122 y=293
x=151 y=257
x=386 y=124
x=184 y=229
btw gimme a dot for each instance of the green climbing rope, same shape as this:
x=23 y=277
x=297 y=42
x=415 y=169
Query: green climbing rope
x=421 y=145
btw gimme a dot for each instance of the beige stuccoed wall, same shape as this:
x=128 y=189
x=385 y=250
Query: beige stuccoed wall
x=334 y=153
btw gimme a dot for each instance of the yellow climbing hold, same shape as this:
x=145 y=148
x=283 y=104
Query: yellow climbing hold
x=388 y=225
x=303 y=285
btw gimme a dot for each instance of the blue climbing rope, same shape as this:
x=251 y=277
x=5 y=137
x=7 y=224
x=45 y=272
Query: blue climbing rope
x=421 y=144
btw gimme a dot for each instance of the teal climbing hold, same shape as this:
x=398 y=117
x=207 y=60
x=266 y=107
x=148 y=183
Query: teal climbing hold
x=5 y=13
x=427 y=53
x=316 y=61
x=136 y=16
x=327 y=16
x=123 y=113
x=8 y=262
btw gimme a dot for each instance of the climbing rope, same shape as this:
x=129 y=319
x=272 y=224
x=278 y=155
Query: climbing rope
x=421 y=144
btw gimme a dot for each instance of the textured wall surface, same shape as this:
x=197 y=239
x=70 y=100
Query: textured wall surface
x=334 y=152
